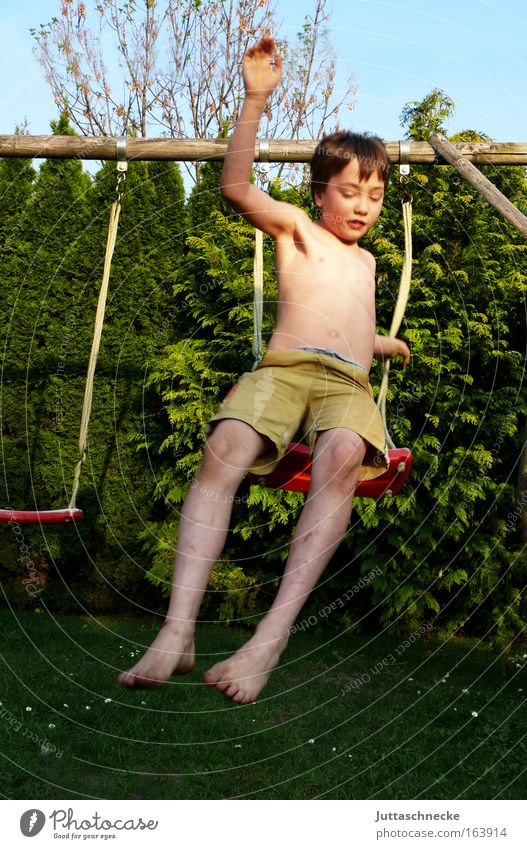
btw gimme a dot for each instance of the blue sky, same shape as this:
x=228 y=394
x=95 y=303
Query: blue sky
x=472 y=49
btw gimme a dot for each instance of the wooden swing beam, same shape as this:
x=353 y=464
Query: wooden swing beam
x=462 y=155
x=194 y=150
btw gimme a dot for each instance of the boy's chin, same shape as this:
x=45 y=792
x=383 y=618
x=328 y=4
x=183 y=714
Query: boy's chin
x=352 y=235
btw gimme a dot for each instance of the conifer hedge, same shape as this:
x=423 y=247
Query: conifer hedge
x=446 y=551
x=54 y=227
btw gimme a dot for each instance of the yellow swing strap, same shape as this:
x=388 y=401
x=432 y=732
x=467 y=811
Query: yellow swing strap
x=258 y=297
x=99 y=317
x=263 y=158
x=404 y=290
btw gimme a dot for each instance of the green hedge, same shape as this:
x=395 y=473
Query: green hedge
x=54 y=229
x=178 y=334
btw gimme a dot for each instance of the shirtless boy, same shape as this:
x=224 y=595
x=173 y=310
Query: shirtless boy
x=326 y=301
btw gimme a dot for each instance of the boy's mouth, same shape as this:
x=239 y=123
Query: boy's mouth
x=356 y=224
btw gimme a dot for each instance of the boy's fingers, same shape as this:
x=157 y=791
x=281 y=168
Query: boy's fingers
x=264 y=46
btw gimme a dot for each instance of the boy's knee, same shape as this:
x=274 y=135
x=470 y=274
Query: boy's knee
x=228 y=445
x=220 y=447
x=345 y=454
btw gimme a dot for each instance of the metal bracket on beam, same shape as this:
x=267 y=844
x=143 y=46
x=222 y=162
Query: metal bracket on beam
x=404 y=155
x=263 y=160
x=122 y=166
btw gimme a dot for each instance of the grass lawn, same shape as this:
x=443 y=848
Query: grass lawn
x=343 y=717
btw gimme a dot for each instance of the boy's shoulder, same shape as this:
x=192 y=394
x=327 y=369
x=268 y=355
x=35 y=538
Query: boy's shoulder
x=368 y=258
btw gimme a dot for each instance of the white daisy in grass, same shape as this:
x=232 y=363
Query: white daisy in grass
x=311 y=741
x=88 y=707
x=474 y=713
x=51 y=725
x=29 y=708
x=107 y=701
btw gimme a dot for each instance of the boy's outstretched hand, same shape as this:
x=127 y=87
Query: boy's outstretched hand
x=262 y=69
x=391 y=346
x=402 y=350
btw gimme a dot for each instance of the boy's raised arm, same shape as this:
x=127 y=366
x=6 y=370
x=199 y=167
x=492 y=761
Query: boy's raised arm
x=261 y=77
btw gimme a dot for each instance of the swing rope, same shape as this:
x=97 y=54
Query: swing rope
x=400 y=308
x=263 y=158
x=258 y=297
x=122 y=166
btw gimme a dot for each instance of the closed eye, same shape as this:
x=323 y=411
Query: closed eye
x=349 y=195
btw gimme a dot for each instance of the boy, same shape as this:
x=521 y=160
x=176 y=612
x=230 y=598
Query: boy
x=313 y=376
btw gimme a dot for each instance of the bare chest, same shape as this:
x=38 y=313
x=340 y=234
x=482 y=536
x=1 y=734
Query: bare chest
x=326 y=274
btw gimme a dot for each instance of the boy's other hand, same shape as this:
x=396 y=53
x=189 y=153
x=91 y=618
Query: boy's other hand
x=390 y=346
x=401 y=349
x=262 y=69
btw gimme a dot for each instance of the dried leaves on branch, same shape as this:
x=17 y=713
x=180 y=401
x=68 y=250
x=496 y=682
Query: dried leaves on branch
x=155 y=67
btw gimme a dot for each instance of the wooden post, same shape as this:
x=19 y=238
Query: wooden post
x=489 y=191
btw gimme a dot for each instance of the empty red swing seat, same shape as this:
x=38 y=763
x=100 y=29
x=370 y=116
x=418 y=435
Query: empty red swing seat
x=293 y=472
x=41 y=517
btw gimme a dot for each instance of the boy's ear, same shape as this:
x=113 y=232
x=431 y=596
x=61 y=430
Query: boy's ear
x=317 y=198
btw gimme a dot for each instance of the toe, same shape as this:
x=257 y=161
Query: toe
x=240 y=697
x=212 y=676
x=231 y=691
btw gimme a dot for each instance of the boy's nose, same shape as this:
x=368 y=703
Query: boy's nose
x=361 y=205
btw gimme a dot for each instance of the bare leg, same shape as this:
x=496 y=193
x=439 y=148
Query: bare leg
x=230 y=450
x=336 y=463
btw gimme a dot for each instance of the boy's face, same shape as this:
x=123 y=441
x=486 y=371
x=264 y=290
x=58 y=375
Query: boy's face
x=350 y=206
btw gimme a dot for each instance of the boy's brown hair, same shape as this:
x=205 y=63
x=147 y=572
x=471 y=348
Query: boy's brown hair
x=333 y=153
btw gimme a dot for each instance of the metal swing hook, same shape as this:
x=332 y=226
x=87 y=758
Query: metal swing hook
x=404 y=170
x=122 y=166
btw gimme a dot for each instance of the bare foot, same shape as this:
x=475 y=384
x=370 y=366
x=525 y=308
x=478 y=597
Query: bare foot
x=243 y=675
x=171 y=653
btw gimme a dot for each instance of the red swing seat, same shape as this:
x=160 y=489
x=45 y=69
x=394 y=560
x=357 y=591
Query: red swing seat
x=41 y=517
x=293 y=472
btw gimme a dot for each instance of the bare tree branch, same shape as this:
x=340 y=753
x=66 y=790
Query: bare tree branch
x=144 y=67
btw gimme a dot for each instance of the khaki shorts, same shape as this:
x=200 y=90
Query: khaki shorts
x=297 y=390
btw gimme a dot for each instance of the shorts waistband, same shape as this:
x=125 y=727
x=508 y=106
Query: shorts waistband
x=298 y=357
x=330 y=353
